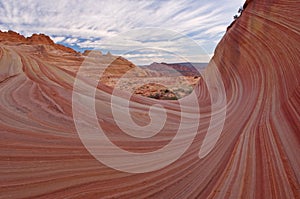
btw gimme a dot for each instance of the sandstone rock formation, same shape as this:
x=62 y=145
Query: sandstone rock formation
x=185 y=69
x=35 y=39
x=256 y=156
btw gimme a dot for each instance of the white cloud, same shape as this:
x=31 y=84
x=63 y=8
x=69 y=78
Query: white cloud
x=57 y=39
x=66 y=21
x=71 y=40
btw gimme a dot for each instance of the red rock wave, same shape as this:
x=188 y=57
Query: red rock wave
x=256 y=156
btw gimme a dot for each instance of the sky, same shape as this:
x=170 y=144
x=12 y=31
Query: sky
x=143 y=31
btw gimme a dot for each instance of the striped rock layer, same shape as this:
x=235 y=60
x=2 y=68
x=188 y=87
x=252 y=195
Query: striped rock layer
x=256 y=155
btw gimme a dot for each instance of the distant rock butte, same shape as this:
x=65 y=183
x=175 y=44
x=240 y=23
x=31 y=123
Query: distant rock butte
x=175 y=69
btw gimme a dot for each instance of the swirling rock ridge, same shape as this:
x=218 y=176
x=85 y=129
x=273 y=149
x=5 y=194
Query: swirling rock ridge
x=256 y=156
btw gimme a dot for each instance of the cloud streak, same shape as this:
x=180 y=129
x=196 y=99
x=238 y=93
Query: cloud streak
x=88 y=23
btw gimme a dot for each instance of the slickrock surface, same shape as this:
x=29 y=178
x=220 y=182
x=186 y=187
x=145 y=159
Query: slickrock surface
x=257 y=155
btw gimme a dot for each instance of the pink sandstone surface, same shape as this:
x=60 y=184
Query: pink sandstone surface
x=256 y=156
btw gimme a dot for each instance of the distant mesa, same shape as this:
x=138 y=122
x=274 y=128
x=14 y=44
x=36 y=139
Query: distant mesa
x=174 y=69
